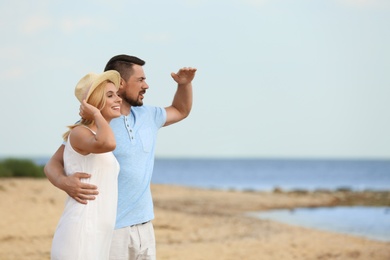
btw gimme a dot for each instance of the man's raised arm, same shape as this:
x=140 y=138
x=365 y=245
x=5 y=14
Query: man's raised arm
x=182 y=101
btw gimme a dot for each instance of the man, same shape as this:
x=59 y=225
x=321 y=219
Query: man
x=135 y=132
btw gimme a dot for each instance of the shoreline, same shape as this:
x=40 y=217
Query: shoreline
x=192 y=223
x=369 y=222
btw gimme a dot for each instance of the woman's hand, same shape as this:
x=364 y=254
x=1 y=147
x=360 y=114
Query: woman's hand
x=87 y=111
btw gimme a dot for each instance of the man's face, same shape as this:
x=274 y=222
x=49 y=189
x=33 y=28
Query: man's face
x=133 y=90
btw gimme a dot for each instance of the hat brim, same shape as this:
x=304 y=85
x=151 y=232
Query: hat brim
x=110 y=75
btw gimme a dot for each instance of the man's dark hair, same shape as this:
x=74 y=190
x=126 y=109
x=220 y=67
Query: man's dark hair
x=123 y=64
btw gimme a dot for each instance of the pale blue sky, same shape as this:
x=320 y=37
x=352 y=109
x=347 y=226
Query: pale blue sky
x=292 y=78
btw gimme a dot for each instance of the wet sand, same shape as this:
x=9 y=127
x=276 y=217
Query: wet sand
x=190 y=224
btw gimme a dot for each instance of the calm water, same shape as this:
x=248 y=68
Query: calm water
x=369 y=222
x=265 y=175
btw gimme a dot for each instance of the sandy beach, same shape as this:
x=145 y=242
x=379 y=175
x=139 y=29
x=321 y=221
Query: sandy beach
x=190 y=224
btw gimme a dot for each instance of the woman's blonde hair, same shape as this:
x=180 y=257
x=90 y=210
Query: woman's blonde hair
x=96 y=99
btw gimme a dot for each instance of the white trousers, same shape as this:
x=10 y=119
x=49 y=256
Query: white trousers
x=134 y=243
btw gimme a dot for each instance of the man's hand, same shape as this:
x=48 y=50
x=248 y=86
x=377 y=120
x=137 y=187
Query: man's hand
x=78 y=190
x=184 y=76
x=71 y=184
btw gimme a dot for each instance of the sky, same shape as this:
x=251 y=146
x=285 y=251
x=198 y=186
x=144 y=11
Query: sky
x=275 y=79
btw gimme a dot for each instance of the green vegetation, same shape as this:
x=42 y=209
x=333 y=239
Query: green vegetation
x=12 y=167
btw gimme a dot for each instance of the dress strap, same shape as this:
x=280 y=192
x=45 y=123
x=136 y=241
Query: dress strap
x=89 y=129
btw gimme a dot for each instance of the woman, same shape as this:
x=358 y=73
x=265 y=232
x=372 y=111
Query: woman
x=85 y=230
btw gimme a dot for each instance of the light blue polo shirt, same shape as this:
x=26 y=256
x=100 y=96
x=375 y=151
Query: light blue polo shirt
x=135 y=136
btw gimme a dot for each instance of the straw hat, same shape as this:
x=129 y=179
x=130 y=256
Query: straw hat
x=89 y=82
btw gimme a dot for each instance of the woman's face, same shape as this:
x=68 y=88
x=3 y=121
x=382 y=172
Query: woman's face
x=112 y=108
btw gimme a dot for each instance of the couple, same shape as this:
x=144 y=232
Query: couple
x=113 y=119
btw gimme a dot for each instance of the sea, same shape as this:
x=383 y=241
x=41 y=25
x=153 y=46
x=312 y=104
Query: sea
x=270 y=174
x=291 y=175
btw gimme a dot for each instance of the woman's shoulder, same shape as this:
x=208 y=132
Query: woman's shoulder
x=78 y=137
x=81 y=131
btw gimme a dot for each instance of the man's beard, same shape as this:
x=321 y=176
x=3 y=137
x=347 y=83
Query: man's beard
x=133 y=102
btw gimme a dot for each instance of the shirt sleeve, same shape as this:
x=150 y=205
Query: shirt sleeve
x=159 y=115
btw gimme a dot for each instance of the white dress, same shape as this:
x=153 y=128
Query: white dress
x=84 y=232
